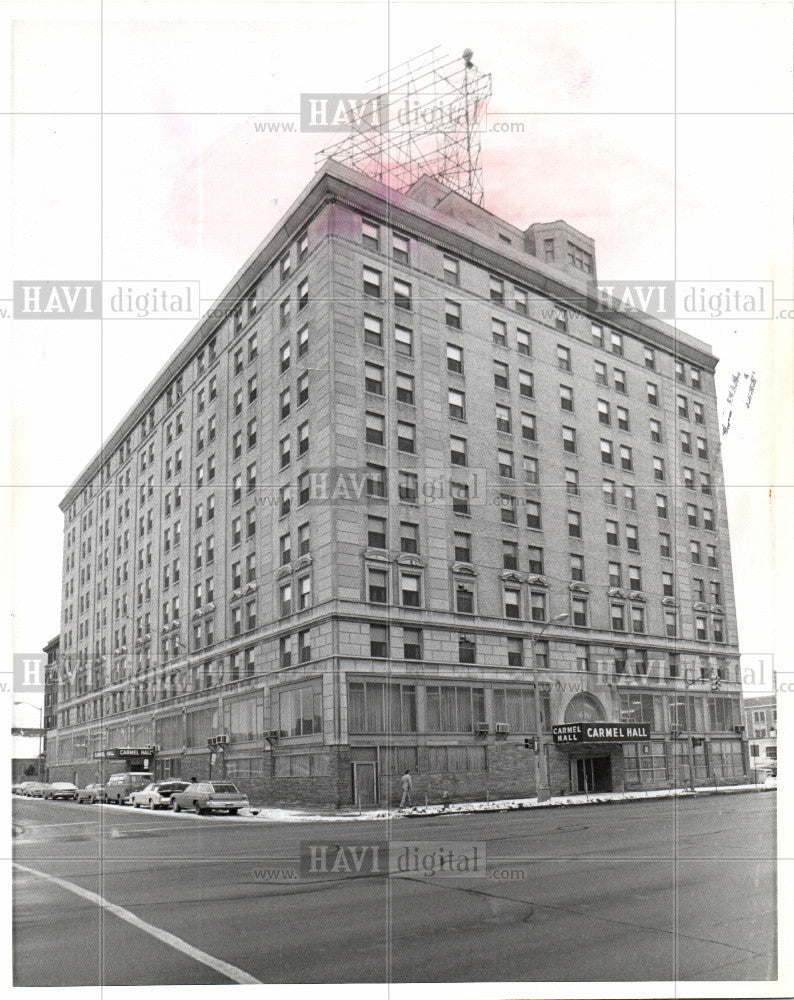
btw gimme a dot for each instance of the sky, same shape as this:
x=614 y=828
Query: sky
x=662 y=131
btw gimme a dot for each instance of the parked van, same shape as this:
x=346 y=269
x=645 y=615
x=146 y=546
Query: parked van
x=119 y=786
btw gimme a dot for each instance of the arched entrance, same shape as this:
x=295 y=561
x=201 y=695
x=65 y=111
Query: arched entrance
x=590 y=768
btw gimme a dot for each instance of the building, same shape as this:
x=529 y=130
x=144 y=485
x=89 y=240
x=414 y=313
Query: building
x=760 y=724
x=409 y=495
x=51 y=683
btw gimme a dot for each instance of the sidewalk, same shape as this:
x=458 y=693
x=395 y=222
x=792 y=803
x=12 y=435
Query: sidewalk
x=321 y=815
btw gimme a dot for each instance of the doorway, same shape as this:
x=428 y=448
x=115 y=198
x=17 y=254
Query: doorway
x=365 y=784
x=591 y=774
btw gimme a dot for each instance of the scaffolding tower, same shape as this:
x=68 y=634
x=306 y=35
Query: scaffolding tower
x=428 y=121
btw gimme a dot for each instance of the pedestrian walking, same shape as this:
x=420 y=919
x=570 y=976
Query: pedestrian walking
x=407 y=786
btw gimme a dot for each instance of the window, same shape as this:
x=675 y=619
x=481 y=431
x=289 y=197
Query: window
x=303 y=388
x=701 y=631
x=512 y=602
x=572 y=482
x=579 y=610
x=617 y=616
x=455 y=358
x=577 y=567
x=711 y=556
x=679 y=372
x=615 y=571
x=503 y=419
x=370 y=234
x=376 y=532
x=623 y=418
x=285 y=500
x=457 y=404
x=705 y=483
x=526 y=384
x=626 y=461
x=528 y=427
x=533 y=514
x=285 y=548
x=400 y=248
x=719 y=632
x=667 y=584
x=501 y=375
x=694 y=552
x=658 y=469
x=664 y=545
x=600 y=373
x=653 y=393
x=530 y=469
x=566 y=398
x=699 y=589
x=638 y=620
x=708 y=519
x=284 y=403
x=515 y=652
x=408 y=487
x=569 y=439
x=373 y=378
x=608 y=492
x=406 y=437
x=629 y=497
x=452 y=314
x=510 y=555
x=377 y=590
x=462 y=546
x=683 y=407
x=402 y=294
x=496 y=290
x=561 y=323
x=373 y=331
x=285 y=599
x=606 y=452
x=405 y=388
x=661 y=506
x=250 y=478
x=703 y=449
x=612 y=533
x=505 y=459
x=412 y=643
x=697 y=410
x=616 y=343
x=375 y=428
x=689 y=477
x=597 y=333
x=520 y=300
x=303 y=438
x=460 y=498
x=404 y=341
x=524 y=342
x=499 y=332
x=464 y=599
x=620 y=380
x=451 y=270
x=409 y=537
x=632 y=538
x=563 y=358
x=372 y=282
x=507 y=508
x=574 y=524
x=603 y=412
x=467 y=653
x=457 y=448
x=304 y=539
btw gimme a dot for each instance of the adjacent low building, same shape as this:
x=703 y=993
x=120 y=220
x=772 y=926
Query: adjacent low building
x=409 y=496
x=760 y=723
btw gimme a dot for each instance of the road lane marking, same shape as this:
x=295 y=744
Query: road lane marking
x=225 y=968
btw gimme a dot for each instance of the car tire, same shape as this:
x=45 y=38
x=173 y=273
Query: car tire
x=232 y=812
x=175 y=807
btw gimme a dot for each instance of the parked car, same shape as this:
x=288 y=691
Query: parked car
x=157 y=794
x=210 y=796
x=37 y=788
x=91 y=793
x=119 y=787
x=25 y=787
x=60 y=790
x=17 y=788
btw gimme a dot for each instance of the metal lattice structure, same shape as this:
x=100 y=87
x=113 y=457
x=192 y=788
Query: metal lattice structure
x=430 y=111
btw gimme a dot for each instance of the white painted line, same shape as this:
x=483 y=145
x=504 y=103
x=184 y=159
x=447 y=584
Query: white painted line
x=225 y=968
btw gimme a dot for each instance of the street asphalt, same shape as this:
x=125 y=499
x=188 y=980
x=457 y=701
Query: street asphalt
x=673 y=889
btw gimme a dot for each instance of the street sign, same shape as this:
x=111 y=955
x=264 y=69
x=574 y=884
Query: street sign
x=121 y=753
x=601 y=732
x=28 y=731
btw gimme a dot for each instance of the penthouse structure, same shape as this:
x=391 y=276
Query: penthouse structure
x=409 y=496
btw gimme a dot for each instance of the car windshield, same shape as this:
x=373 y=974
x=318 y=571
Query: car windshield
x=225 y=790
x=151 y=787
